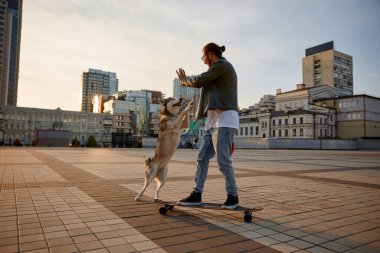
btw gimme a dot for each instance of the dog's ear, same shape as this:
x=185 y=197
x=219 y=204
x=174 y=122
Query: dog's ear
x=162 y=101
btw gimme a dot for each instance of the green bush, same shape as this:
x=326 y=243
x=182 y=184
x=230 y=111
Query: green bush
x=75 y=142
x=91 y=142
x=17 y=142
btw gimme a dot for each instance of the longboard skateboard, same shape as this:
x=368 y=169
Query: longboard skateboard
x=214 y=206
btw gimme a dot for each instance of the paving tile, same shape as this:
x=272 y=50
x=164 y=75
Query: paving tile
x=101 y=229
x=7 y=234
x=124 y=248
x=69 y=248
x=318 y=249
x=32 y=238
x=60 y=241
x=45 y=250
x=57 y=234
x=83 y=246
x=107 y=235
x=33 y=245
x=282 y=237
x=80 y=231
x=300 y=244
x=104 y=250
x=144 y=245
x=251 y=234
x=84 y=238
x=113 y=242
x=334 y=246
x=8 y=241
x=9 y=248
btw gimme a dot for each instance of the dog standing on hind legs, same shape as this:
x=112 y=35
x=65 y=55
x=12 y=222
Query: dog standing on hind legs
x=171 y=123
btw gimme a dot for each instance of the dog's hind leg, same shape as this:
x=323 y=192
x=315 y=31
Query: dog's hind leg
x=161 y=179
x=148 y=179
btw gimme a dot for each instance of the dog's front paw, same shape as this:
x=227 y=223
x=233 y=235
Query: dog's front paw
x=156 y=200
x=190 y=105
x=137 y=198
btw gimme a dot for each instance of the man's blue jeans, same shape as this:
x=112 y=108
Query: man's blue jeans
x=216 y=141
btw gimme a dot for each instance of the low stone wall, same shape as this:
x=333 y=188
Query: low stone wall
x=325 y=144
x=149 y=142
x=373 y=144
x=262 y=143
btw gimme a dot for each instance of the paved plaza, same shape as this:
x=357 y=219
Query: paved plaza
x=82 y=200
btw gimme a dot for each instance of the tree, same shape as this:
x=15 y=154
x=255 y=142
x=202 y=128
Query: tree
x=17 y=142
x=91 y=142
x=75 y=142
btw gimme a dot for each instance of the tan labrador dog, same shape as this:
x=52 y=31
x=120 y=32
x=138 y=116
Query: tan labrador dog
x=171 y=123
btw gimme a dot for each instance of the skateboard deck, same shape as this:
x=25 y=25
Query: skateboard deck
x=214 y=206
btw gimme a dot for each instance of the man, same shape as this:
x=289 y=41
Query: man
x=218 y=102
x=194 y=143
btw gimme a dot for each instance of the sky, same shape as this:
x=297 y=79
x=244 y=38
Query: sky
x=145 y=41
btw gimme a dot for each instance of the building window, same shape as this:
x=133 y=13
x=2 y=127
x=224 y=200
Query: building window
x=301 y=132
x=325 y=121
x=279 y=122
x=257 y=130
x=286 y=122
x=246 y=130
x=241 y=131
x=294 y=121
x=279 y=133
x=251 y=130
x=286 y=133
x=274 y=122
x=274 y=133
x=320 y=133
x=301 y=120
x=294 y=132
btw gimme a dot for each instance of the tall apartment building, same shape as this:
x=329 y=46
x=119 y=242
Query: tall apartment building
x=97 y=83
x=10 y=37
x=187 y=93
x=322 y=64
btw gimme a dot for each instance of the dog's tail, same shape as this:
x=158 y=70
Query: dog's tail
x=147 y=161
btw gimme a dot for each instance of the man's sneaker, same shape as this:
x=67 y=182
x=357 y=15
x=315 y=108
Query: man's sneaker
x=231 y=203
x=195 y=199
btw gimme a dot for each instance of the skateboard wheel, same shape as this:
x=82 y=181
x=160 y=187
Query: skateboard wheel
x=171 y=207
x=247 y=217
x=163 y=210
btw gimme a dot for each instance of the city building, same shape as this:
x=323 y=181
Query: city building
x=135 y=113
x=357 y=116
x=323 y=64
x=186 y=93
x=267 y=103
x=297 y=116
x=97 y=83
x=294 y=115
x=147 y=104
x=23 y=124
x=10 y=37
x=122 y=115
